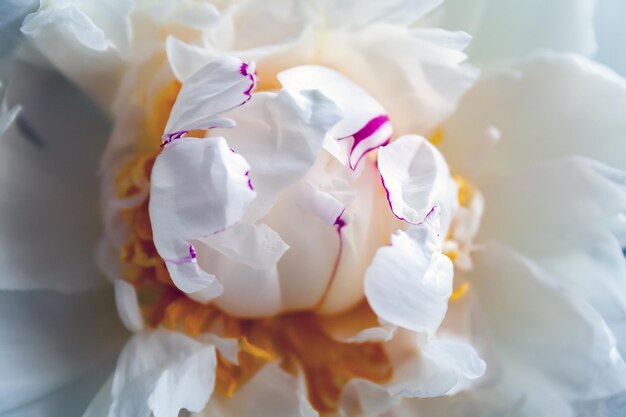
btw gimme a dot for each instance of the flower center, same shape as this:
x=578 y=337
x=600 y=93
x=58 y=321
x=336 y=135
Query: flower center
x=303 y=342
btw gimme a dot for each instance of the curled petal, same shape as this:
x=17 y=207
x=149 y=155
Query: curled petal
x=409 y=283
x=159 y=373
x=219 y=86
x=199 y=187
x=416 y=178
x=365 y=125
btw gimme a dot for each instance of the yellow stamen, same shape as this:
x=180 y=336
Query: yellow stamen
x=466 y=191
x=437 y=136
x=460 y=292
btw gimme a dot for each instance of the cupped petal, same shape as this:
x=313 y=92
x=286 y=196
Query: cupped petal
x=160 y=373
x=219 y=86
x=49 y=340
x=365 y=125
x=247 y=292
x=506 y=30
x=417 y=180
x=538 y=115
x=49 y=222
x=409 y=283
x=281 y=136
x=553 y=351
x=199 y=187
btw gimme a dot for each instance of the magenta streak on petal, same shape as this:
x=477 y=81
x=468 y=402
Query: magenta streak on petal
x=432 y=210
x=340 y=224
x=172 y=137
x=185 y=259
x=247 y=174
x=364 y=133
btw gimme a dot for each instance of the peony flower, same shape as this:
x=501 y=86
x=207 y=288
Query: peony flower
x=318 y=208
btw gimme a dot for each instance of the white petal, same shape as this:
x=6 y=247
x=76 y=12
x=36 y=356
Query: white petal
x=571 y=215
x=417 y=179
x=539 y=115
x=442 y=366
x=199 y=187
x=248 y=292
x=408 y=283
x=351 y=14
x=419 y=89
x=49 y=220
x=306 y=268
x=48 y=340
x=257 y=246
x=365 y=124
x=270 y=393
x=185 y=59
x=219 y=86
x=161 y=372
x=553 y=351
x=70 y=18
x=128 y=305
x=280 y=135
x=506 y=30
x=190 y=13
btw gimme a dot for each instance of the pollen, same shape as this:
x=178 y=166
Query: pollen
x=300 y=342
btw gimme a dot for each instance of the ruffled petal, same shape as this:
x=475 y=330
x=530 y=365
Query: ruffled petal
x=554 y=351
x=538 y=115
x=352 y=15
x=572 y=222
x=506 y=30
x=365 y=125
x=199 y=187
x=49 y=221
x=219 y=86
x=281 y=136
x=417 y=180
x=443 y=366
x=418 y=89
x=409 y=283
x=160 y=373
x=49 y=340
x=270 y=393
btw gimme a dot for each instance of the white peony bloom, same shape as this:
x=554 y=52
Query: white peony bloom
x=315 y=208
